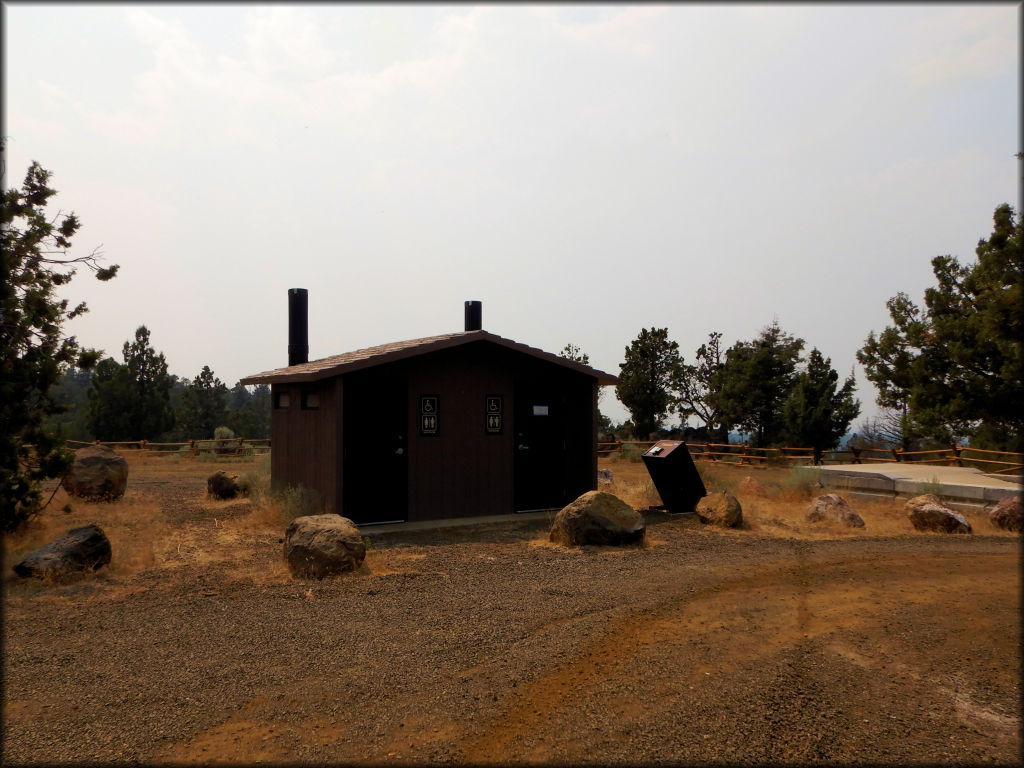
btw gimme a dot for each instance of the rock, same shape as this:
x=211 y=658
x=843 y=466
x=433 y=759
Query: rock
x=98 y=474
x=80 y=549
x=597 y=517
x=220 y=486
x=752 y=487
x=604 y=476
x=927 y=513
x=316 y=546
x=1007 y=514
x=832 y=506
x=720 y=508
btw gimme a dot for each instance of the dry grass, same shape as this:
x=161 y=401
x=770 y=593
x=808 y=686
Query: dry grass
x=133 y=525
x=141 y=536
x=243 y=536
x=781 y=511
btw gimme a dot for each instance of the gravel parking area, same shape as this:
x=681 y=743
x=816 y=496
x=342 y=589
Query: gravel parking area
x=489 y=644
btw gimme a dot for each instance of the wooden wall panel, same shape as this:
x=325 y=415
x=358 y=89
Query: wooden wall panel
x=462 y=471
x=305 y=442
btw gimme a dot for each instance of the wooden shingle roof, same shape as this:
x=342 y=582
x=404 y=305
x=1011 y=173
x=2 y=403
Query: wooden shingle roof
x=399 y=350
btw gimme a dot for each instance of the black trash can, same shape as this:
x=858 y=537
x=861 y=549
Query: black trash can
x=675 y=476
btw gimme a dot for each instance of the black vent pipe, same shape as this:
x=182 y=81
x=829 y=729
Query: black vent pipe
x=298 y=326
x=474 y=316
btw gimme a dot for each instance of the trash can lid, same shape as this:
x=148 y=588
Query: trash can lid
x=663 y=447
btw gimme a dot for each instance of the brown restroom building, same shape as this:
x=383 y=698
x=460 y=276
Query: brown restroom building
x=457 y=425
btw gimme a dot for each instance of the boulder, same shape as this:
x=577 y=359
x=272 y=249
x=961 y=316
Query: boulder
x=98 y=474
x=80 y=549
x=1007 y=514
x=927 y=513
x=751 y=486
x=604 y=476
x=316 y=546
x=597 y=518
x=832 y=506
x=720 y=508
x=220 y=486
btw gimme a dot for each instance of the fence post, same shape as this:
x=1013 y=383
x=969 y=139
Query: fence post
x=192 y=445
x=896 y=454
x=856 y=455
x=956 y=454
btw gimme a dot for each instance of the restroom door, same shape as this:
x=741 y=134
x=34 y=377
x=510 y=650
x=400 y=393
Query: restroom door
x=376 y=448
x=539 y=447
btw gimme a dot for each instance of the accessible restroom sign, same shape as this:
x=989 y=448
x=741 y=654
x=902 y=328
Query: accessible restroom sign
x=493 y=414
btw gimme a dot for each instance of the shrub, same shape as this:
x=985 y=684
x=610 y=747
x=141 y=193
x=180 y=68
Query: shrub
x=299 y=501
x=715 y=478
x=631 y=453
x=801 y=481
x=253 y=486
x=933 y=487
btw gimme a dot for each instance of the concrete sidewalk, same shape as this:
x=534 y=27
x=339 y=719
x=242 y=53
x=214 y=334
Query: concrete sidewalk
x=454 y=522
x=965 y=485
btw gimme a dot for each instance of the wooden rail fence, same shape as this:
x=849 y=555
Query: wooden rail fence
x=1005 y=462
x=953 y=456
x=225 y=446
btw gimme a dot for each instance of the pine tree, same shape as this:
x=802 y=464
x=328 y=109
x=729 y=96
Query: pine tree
x=203 y=405
x=35 y=352
x=817 y=414
x=132 y=401
x=755 y=382
x=249 y=413
x=956 y=362
x=572 y=352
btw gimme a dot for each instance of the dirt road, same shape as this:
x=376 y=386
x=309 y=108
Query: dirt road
x=490 y=644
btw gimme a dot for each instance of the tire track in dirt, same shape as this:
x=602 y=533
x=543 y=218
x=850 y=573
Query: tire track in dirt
x=759 y=615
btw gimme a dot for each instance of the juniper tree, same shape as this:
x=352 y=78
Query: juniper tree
x=35 y=351
x=647 y=379
x=698 y=387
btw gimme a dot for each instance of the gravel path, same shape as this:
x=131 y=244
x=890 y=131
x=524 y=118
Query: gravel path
x=489 y=644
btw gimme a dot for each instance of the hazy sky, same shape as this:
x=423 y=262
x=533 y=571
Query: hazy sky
x=585 y=172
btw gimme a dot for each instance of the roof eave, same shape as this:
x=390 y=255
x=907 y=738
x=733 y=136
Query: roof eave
x=284 y=375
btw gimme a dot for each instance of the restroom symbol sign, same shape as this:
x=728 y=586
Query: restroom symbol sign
x=493 y=416
x=429 y=420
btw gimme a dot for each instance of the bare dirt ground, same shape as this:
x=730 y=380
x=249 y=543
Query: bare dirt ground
x=783 y=642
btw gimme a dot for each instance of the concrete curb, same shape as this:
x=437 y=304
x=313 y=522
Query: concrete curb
x=961 y=484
